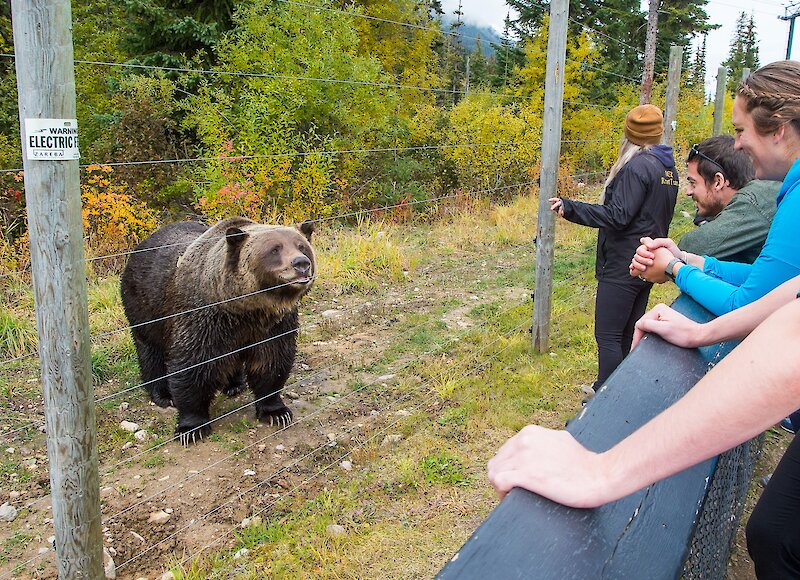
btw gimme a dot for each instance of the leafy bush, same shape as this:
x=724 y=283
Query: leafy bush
x=489 y=145
x=113 y=220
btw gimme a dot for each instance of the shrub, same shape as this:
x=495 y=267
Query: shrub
x=113 y=220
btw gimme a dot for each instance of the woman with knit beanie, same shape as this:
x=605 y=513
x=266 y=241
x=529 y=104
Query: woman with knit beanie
x=639 y=196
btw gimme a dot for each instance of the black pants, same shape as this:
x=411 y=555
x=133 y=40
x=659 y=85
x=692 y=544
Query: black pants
x=617 y=308
x=773 y=531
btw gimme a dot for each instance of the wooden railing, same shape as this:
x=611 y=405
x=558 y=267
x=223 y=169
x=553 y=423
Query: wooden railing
x=682 y=526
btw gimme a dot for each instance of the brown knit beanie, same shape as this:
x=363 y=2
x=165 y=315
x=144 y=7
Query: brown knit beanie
x=644 y=125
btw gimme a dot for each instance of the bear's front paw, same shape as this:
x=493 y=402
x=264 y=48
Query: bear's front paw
x=280 y=417
x=192 y=434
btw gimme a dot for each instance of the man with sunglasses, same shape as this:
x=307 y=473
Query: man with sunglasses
x=737 y=209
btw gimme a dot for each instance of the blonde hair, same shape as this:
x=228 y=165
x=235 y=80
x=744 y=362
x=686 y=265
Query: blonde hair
x=772 y=96
x=627 y=151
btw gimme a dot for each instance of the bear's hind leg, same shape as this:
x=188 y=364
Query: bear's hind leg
x=153 y=370
x=192 y=397
x=236 y=385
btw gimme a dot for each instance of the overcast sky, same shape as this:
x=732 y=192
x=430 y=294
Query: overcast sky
x=772 y=33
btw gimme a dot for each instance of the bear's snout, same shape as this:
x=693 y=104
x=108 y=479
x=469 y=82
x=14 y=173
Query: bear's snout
x=302 y=265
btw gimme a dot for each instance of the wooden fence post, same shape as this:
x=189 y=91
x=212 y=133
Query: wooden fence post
x=673 y=88
x=649 y=52
x=719 y=102
x=548 y=180
x=46 y=83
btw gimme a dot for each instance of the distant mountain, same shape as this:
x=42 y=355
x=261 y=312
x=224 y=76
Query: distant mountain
x=470 y=32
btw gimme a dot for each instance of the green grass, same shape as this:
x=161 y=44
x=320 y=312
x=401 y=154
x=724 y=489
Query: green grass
x=16 y=540
x=17 y=333
x=443 y=468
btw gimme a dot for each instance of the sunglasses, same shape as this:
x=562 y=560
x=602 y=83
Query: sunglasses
x=695 y=152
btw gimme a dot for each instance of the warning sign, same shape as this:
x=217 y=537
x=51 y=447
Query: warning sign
x=52 y=139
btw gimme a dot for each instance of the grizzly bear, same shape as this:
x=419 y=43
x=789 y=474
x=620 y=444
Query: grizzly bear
x=212 y=307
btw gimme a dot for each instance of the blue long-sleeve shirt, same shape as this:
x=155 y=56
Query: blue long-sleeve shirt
x=724 y=286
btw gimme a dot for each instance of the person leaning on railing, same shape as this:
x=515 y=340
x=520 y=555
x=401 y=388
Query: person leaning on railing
x=736 y=209
x=724 y=286
x=752 y=388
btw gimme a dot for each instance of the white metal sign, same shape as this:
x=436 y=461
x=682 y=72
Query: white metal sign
x=52 y=139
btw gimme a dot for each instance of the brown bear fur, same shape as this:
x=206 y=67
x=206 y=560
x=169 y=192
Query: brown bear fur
x=211 y=307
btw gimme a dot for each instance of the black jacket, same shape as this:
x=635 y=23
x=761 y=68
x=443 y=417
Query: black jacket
x=639 y=202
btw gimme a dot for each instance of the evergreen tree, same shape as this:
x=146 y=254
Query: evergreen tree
x=696 y=76
x=456 y=57
x=170 y=32
x=508 y=57
x=618 y=28
x=743 y=52
x=478 y=67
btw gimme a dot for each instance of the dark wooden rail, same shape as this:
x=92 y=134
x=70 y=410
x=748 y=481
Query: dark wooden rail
x=645 y=535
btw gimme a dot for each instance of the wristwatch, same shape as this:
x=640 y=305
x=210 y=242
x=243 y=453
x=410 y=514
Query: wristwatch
x=671 y=266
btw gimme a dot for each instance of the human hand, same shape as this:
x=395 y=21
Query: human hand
x=645 y=254
x=552 y=464
x=670 y=325
x=557 y=205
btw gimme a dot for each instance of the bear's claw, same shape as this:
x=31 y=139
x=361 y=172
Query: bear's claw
x=193 y=435
x=280 y=418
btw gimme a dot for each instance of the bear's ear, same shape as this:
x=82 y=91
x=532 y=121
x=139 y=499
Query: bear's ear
x=235 y=239
x=307 y=228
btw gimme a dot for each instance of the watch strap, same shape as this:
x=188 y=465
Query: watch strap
x=671 y=266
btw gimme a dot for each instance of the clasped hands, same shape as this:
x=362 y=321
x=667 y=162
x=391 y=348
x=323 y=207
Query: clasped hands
x=652 y=257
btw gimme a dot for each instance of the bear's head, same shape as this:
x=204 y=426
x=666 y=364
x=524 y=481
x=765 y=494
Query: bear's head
x=277 y=263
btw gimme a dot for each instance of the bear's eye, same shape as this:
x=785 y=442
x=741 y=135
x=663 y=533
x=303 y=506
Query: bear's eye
x=275 y=251
x=302 y=248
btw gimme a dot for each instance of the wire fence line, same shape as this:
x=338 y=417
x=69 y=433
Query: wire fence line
x=359 y=213
x=344 y=216
x=213 y=359
x=303 y=154
x=451 y=340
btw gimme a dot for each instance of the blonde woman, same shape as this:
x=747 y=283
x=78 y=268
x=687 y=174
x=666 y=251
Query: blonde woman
x=639 y=197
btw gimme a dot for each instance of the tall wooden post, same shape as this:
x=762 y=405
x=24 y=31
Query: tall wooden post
x=548 y=181
x=649 y=53
x=673 y=88
x=719 y=102
x=46 y=83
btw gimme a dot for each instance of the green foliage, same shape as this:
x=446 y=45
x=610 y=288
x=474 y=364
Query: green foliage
x=743 y=52
x=490 y=146
x=282 y=125
x=96 y=35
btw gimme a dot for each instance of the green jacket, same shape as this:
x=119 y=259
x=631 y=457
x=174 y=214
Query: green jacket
x=737 y=234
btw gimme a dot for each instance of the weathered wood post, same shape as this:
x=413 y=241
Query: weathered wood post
x=46 y=83
x=548 y=180
x=673 y=88
x=719 y=102
x=649 y=52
